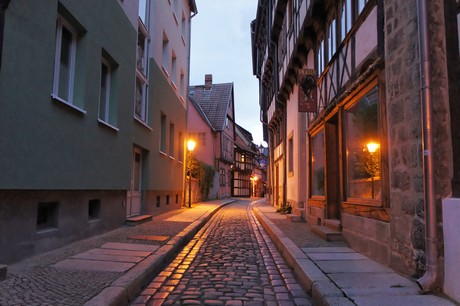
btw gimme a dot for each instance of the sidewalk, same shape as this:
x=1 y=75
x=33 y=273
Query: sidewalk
x=335 y=274
x=109 y=269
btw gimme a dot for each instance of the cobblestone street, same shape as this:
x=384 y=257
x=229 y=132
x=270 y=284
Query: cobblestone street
x=231 y=261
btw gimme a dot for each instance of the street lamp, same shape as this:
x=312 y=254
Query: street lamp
x=190 y=147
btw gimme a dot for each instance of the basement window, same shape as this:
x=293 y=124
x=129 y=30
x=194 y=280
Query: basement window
x=94 y=209
x=47 y=216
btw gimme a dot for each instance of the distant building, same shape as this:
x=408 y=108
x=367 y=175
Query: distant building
x=359 y=100
x=244 y=181
x=214 y=105
x=89 y=125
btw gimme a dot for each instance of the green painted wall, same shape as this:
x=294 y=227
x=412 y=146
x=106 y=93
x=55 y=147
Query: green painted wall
x=163 y=172
x=45 y=144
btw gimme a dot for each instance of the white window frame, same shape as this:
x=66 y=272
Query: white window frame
x=105 y=116
x=142 y=116
x=62 y=23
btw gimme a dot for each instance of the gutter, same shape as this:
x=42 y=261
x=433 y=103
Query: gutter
x=430 y=280
x=3 y=6
x=187 y=98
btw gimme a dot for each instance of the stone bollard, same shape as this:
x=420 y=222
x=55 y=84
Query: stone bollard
x=3 y=270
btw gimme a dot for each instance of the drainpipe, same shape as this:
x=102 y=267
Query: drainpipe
x=187 y=97
x=429 y=281
x=3 y=7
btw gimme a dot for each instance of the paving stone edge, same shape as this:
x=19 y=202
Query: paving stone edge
x=323 y=291
x=130 y=284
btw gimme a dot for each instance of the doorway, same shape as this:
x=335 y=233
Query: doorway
x=133 y=207
x=332 y=169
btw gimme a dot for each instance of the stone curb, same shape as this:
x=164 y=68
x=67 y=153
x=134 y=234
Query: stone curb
x=130 y=284
x=323 y=291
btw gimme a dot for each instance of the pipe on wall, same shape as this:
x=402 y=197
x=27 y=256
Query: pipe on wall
x=430 y=280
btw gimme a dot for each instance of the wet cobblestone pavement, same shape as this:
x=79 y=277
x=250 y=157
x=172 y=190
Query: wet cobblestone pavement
x=231 y=261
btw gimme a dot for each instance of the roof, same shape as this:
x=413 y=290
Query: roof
x=213 y=103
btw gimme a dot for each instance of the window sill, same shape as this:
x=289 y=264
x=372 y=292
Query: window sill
x=163 y=153
x=165 y=70
x=108 y=125
x=363 y=202
x=142 y=122
x=172 y=157
x=47 y=230
x=67 y=104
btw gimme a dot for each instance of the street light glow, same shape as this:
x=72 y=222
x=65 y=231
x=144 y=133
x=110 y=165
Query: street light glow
x=191 y=145
x=372 y=147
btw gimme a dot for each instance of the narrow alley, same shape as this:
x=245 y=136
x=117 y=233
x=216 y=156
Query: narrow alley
x=231 y=261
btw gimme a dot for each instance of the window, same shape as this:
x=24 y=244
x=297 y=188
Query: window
x=47 y=216
x=346 y=19
x=167 y=199
x=107 y=111
x=363 y=148
x=171 y=140
x=320 y=59
x=200 y=138
x=184 y=27
x=165 y=54
x=222 y=177
x=458 y=26
x=163 y=133
x=174 y=68
x=291 y=155
x=332 y=40
x=317 y=162
x=361 y=5
x=94 y=209
x=158 y=201
x=182 y=84
x=140 y=107
x=177 y=198
x=180 y=146
x=64 y=62
x=143 y=11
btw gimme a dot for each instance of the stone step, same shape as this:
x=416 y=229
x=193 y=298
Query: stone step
x=327 y=233
x=333 y=224
x=294 y=218
x=136 y=220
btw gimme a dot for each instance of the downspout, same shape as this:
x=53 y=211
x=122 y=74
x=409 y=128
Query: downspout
x=187 y=98
x=3 y=7
x=429 y=280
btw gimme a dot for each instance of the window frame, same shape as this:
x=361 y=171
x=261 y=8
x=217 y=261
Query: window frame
x=376 y=201
x=61 y=24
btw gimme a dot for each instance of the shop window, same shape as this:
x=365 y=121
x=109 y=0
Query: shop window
x=317 y=164
x=363 y=148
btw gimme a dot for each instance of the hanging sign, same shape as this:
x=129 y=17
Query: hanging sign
x=307 y=93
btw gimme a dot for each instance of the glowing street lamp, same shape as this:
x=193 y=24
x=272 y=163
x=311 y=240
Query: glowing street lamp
x=190 y=147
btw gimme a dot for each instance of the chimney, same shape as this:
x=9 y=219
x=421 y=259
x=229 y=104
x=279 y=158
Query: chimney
x=207 y=81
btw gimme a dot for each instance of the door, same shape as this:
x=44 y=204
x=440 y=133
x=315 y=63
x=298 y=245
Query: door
x=133 y=208
x=332 y=169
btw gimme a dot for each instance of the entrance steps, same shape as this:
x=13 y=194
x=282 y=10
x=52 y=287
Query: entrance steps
x=294 y=218
x=136 y=220
x=330 y=231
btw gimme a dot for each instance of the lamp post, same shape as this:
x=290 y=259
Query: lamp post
x=190 y=147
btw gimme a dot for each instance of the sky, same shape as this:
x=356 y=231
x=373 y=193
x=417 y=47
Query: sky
x=221 y=46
